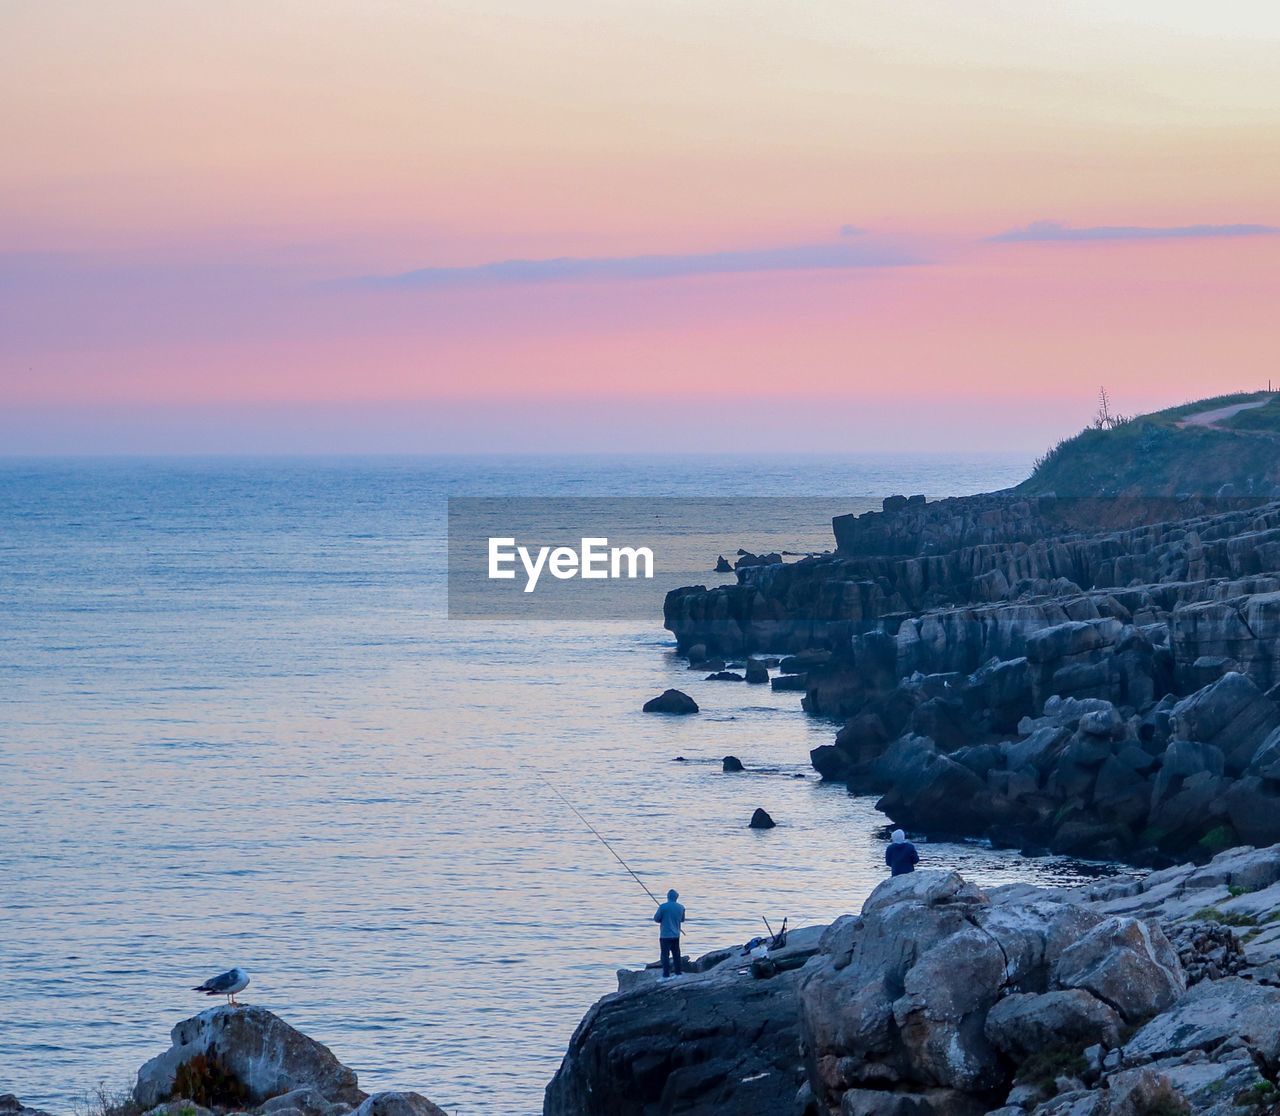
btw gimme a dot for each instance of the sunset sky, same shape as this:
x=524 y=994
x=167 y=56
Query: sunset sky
x=278 y=225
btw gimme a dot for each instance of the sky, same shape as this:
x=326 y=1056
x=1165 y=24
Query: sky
x=596 y=225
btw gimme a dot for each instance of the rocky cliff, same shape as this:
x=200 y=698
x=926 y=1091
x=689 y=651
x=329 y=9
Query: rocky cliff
x=1090 y=676
x=1153 y=995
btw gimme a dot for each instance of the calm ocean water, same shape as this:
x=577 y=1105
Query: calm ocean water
x=236 y=727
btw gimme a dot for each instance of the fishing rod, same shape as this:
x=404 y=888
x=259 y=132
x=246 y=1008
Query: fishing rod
x=597 y=833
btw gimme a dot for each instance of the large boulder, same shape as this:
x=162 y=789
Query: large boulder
x=1231 y=713
x=398 y=1104
x=720 y=1041
x=246 y=1055
x=1209 y=1014
x=671 y=701
x=920 y=994
x=1127 y=963
x=1023 y=1023
x=11 y=1106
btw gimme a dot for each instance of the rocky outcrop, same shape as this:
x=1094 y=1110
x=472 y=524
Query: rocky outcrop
x=714 y=1041
x=243 y=1055
x=1011 y=666
x=977 y=551
x=399 y=1104
x=941 y=999
x=11 y=1106
x=671 y=701
x=903 y=1000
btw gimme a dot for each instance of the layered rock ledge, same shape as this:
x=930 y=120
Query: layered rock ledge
x=1007 y=667
x=1155 y=995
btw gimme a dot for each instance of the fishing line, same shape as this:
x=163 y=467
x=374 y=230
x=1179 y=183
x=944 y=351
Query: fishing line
x=599 y=837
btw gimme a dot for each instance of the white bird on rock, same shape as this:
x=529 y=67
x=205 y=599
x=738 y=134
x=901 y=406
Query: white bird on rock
x=225 y=984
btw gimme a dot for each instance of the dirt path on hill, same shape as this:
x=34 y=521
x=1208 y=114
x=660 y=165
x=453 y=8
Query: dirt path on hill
x=1219 y=414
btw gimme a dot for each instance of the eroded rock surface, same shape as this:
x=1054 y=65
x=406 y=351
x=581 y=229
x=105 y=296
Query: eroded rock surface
x=253 y=1055
x=939 y=998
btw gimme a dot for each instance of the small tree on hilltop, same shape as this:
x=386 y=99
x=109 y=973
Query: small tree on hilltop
x=1104 y=419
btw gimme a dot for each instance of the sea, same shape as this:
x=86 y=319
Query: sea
x=239 y=726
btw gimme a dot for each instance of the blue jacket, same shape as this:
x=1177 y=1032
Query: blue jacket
x=902 y=858
x=669 y=916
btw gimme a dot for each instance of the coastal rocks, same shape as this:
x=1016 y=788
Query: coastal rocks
x=1207 y=1016
x=731 y=764
x=250 y=1055
x=398 y=1104
x=671 y=701
x=757 y=673
x=918 y=993
x=722 y=565
x=1125 y=963
x=761 y=819
x=1232 y=714
x=725 y=676
x=1024 y=1023
x=720 y=1042
x=940 y=998
x=11 y=1106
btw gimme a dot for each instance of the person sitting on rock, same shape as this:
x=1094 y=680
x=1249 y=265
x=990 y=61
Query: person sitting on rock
x=901 y=855
x=669 y=916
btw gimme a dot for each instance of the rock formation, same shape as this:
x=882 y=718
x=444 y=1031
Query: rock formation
x=1089 y=676
x=941 y=1000
x=244 y=1058
x=671 y=701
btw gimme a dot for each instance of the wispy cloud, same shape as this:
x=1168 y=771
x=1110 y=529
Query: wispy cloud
x=852 y=230
x=1056 y=230
x=568 y=268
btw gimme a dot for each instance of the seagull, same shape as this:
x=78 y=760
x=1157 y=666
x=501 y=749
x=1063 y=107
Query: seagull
x=225 y=984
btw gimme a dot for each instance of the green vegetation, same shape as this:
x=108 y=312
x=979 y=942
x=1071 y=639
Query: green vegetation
x=1262 y=1098
x=1157 y=455
x=1042 y=1069
x=1227 y=918
x=1217 y=839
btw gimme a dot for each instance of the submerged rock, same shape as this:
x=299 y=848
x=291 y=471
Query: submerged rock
x=11 y=1106
x=671 y=701
x=761 y=819
x=731 y=764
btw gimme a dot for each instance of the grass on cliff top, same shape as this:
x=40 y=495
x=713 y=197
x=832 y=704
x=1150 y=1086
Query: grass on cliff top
x=1152 y=455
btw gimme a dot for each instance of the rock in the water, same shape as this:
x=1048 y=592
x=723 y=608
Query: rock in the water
x=398 y=1104
x=11 y=1106
x=250 y=1054
x=724 y=676
x=757 y=672
x=732 y=763
x=761 y=819
x=723 y=565
x=671 y=701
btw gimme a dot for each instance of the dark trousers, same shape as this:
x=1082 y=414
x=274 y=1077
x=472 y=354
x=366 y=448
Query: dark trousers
x=670 y=949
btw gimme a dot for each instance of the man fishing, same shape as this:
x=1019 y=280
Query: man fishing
x=901 y=855
x=670 y=917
